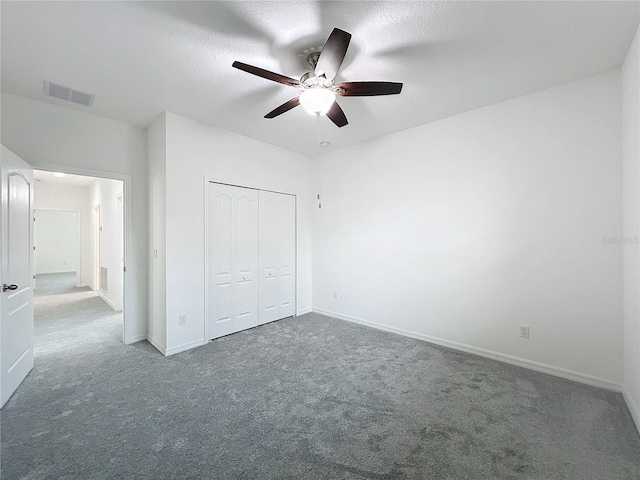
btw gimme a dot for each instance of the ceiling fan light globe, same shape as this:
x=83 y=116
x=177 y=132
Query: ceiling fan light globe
x=317 y=101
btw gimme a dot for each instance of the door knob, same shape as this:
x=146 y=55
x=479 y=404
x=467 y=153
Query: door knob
x=244 y=278
x=270 y=273
x=6 y=287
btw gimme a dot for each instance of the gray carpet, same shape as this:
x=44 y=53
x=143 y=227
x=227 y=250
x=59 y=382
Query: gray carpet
x=303 y=398
x=55 y=283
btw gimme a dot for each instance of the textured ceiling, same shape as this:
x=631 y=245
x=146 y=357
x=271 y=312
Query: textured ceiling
x=142 y=58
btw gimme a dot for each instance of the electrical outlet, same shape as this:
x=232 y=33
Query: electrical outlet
x=524 y=331
x=335 y=295
x=182 y=319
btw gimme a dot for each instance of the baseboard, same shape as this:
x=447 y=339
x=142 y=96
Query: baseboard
x=183 y=347
x=108 y=302
x=81 y=285
x=158 y=347
x=633 y=408
x=304 y=312
x=500 y=357
x=137 y=338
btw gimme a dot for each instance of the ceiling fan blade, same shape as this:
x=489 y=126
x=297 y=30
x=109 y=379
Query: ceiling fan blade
x=260 y=72
x=333 y=54
x=369 y=89
x=336 y=115
x=285 y=107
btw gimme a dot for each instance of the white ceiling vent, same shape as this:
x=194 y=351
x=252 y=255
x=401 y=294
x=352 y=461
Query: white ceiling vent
x=68 y=94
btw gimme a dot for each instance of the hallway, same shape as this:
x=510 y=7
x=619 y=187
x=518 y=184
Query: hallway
x=71 y=320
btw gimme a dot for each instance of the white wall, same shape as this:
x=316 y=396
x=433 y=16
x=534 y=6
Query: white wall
x=462 y=230
x=57 y=241
x=108 y=195
x=195 y=151
x=157 y=151
x=53 y=196
x=631 y=206
x=45 y=135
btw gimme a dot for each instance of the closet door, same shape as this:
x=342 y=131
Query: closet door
x=277 y=256
x=233 y=259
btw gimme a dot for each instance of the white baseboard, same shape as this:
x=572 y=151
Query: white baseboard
x=500 y=357
x=136 y=338
x=633 y=408
x=183 y=347
x=80 y=285
x=157 y=345
x=107 y=301
x=304 y=311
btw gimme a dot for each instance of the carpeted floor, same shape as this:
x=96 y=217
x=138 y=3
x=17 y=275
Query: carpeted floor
x=56 y=283
x=70 y=319
x=303 y=398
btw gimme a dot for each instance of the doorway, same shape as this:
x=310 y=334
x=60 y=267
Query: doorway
x=79 y=260
x=96 y=246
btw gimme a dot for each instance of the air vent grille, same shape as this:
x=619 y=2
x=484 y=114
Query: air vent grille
x=70 y=95
x=104 y=279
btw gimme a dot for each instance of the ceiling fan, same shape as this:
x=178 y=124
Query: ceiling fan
x=319 y=91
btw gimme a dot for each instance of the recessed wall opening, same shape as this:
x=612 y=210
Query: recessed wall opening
x=79 y=260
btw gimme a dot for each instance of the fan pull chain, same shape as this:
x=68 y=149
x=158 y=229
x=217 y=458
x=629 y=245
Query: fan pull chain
x=318 y=137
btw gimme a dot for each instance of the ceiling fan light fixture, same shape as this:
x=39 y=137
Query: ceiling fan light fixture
x=317 y=101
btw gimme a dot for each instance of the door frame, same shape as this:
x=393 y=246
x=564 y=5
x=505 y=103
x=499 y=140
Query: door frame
x=127 y=245
x=95 y=227
x=207 y=181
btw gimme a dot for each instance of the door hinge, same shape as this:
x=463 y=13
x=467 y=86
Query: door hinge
x=34 y=277
x=125 y=269
x=34 y=247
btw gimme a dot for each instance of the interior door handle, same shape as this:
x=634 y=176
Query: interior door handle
x=6 y=287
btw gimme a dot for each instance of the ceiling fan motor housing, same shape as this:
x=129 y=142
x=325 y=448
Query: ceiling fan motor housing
x=310 y=80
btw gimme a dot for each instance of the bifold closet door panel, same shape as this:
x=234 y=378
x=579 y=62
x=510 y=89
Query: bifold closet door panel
x=277 y=255
x=246 y=259
x=287 y=255
x=233 y=259
x=268 y=246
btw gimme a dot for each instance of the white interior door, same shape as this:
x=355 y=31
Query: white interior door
x=233 y=259
x=277 y=256
x=16 y=274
